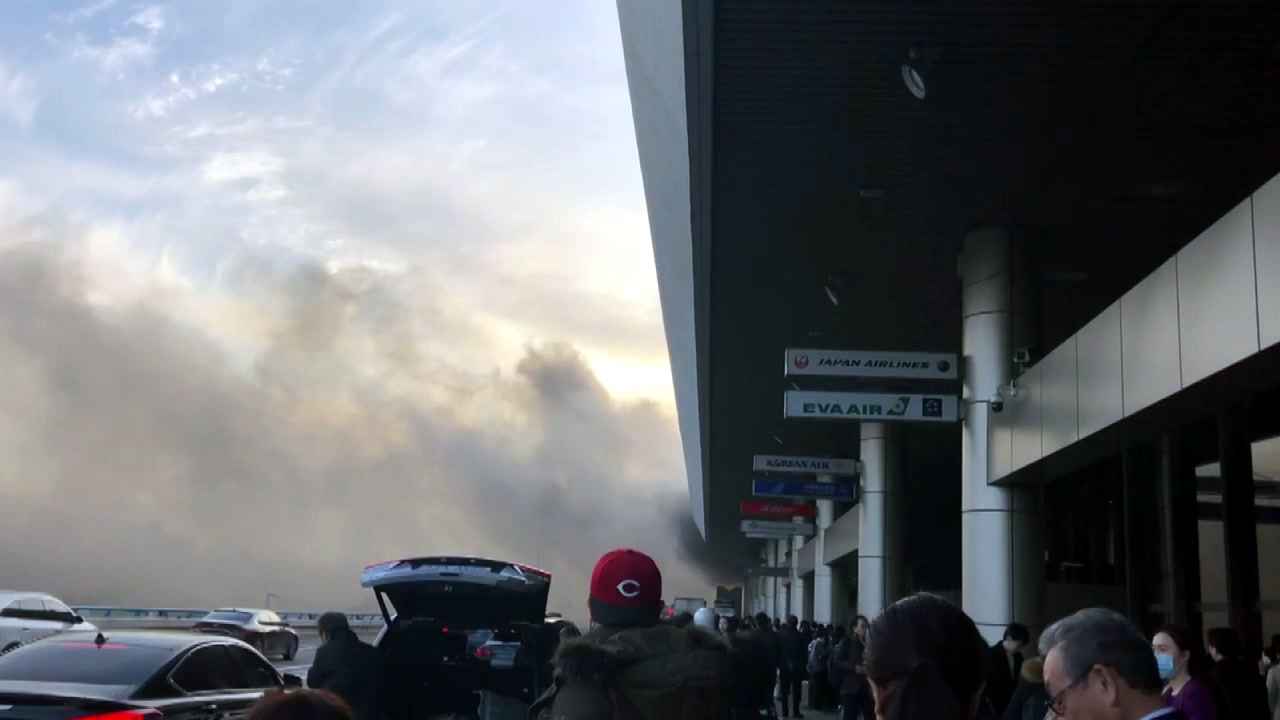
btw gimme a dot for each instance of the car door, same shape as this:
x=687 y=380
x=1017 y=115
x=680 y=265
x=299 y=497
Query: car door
x=11 y=624
x=214 y=684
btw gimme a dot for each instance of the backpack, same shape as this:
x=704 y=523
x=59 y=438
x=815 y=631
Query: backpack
x=818 y=655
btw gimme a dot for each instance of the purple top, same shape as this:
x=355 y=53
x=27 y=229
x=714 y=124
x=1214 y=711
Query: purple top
x=1195 y=700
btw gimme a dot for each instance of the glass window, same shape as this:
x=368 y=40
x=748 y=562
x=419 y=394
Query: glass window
x=208 y=669
x=53 y=606
x=31 y=605
x=83 y=663
x=237 y=618
x=257 y=672
x=268 y=618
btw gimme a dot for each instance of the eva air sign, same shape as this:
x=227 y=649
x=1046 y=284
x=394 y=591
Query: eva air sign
x=877 y=407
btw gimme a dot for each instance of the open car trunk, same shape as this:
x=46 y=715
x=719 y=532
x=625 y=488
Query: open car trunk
x=425 y=666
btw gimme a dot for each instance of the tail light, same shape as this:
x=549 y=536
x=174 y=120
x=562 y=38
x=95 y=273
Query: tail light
x=484 y=653
x=141 y=714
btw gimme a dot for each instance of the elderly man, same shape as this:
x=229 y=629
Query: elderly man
x=1098 y=666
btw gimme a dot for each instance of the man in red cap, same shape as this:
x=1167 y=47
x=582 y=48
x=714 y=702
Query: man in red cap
x=630 y=665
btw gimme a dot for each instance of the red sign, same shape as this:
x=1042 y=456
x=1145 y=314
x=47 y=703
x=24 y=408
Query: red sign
x=772 y=508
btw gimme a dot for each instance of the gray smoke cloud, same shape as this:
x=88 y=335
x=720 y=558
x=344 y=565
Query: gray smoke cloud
x=143 y=463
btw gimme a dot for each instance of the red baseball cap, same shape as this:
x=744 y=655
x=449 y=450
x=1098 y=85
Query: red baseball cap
x=626 y=589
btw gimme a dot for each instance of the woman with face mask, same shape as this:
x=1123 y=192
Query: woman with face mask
x=1179 y=667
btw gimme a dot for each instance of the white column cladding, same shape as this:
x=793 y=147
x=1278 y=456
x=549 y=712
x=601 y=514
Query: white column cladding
x=823 y=586
x=990 y=529
x=797 y=584
x=875 y=561
x=784 y=584
x=770 y=583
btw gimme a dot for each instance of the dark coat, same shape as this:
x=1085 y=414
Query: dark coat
x=1030 y=701
x=845 y=661
x=1002 y=680
x=643 y=673
x=793 y=651
x=1243 y=691
x=342 y=666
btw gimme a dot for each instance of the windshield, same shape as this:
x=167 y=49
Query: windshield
x=237 y=618
x=83 y=663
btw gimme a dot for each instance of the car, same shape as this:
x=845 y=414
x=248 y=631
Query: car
x=29 y=616
x=135 y=675
x=426 y=659
x=263 y=629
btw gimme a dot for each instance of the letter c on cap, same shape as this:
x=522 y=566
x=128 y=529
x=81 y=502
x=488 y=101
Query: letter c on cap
x=629 y=588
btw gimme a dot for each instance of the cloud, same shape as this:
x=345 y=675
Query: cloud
x=84 y=13
x=18 y=98
x=116 y=56
x=352 y=435
x=150 y=19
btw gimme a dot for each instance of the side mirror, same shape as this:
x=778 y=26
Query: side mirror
x=292 y=681
x=77 y=619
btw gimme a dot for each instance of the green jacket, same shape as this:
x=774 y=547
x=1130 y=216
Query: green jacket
x=654 y=673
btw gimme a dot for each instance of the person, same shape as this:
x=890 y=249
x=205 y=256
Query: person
x=1098 y=666
x=1029 y=702
x=768 y=638
x=1179 y=666
x=793 y=659
x=706 y=619
x=682 y=619
x=925 y=660
x=729 y=625
x=300 y=705
x=631 y=665
x=819 y=683
x=1273 y=689
x=848 y=675
x=342 y=662
x=1243 y=690
x=752 y=674
x=1005 y=665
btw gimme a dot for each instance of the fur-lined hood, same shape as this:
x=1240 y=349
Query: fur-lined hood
x=1033 y=670
x=604 y=654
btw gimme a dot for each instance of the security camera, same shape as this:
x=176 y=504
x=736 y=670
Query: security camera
x=997 y=404
x=1022 y=356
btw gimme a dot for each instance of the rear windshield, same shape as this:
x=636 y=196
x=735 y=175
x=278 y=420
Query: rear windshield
x=83 y=663
x=238 y=618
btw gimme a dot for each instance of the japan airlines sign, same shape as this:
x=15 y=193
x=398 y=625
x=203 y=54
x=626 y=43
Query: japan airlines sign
x=859 y=363
x=808 y=465
x=777 y=528
x=875 y=407
x=777 y=509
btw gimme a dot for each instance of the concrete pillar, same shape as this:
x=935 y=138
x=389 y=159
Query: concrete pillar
x=782 y=600
x=996 y=523
x=877 y=521
x=798 y=600
x=770 y=583
x=823 y=582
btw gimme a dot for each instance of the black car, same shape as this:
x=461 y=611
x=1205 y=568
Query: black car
x=136 y=675
x=425 y=662
x=262 y=629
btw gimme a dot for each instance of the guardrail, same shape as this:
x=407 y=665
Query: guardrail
x=188 y=615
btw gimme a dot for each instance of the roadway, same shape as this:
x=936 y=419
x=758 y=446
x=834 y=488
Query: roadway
x=308 y=643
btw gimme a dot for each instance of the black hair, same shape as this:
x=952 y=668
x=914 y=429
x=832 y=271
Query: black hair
x=1018 y=633
x=301 y=705
x=763 y=621
x=683 y=619
x=793 y=621
x=731 y=623
x=1196 y=664
x=927 y=658
x=1227 y=642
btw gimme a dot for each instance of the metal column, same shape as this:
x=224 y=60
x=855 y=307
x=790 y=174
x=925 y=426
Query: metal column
x=1239 y=530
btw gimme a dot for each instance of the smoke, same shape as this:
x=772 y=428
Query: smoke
x=182 y=447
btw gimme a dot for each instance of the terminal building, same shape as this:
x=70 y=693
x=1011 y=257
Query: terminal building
x=1074 y=206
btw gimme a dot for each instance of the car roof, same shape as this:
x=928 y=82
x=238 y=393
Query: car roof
x=241 y=610
x=9 y=595
x=166 y=639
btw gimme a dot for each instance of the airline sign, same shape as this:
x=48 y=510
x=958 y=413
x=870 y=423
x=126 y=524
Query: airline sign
x=857 y=363
x=780 y=528
x=811 y=465
x=771 y=487
x=769 y=508
x=772 y=572
x=879 y=407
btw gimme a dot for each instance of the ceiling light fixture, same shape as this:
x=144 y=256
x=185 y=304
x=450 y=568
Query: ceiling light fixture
x=871 y=192
x=916 y=70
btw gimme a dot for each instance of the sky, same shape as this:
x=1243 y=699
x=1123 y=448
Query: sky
x=288 y=287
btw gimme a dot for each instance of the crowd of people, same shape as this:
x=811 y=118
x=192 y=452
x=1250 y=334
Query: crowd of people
x=922 y=658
